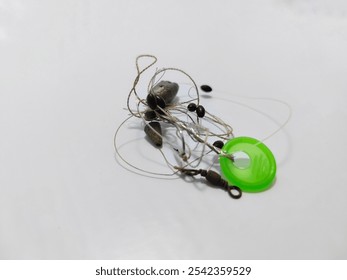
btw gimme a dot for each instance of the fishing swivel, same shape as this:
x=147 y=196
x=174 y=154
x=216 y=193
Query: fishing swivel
x=215 y=179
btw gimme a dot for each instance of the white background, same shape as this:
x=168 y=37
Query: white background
x=65 y=70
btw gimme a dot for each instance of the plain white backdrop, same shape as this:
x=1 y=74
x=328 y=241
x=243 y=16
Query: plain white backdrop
x=66 y=68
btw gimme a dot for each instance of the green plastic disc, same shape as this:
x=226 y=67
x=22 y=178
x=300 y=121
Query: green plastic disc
x=255 y=172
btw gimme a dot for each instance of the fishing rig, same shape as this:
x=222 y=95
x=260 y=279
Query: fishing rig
x=178 y=120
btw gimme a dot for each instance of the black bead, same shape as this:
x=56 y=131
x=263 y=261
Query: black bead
x=200 y=111
x=150 y=115
x=219 y=144
x=160 y=111
x=160 y=102
x=191 y=107
x=206 y=88
x=151 y=101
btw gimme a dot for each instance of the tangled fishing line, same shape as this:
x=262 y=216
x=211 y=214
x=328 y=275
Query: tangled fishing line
x=178 y=124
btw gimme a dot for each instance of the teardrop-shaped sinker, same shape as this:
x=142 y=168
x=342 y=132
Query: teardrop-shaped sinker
x=153 y=131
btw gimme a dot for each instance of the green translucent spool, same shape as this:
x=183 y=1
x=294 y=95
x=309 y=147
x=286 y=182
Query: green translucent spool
x=259 y=175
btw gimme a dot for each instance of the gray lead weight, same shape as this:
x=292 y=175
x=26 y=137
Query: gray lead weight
x=153 y=131
x=166 y=90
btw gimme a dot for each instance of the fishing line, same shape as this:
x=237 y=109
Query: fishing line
x=194 y=125
x=280 y=125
